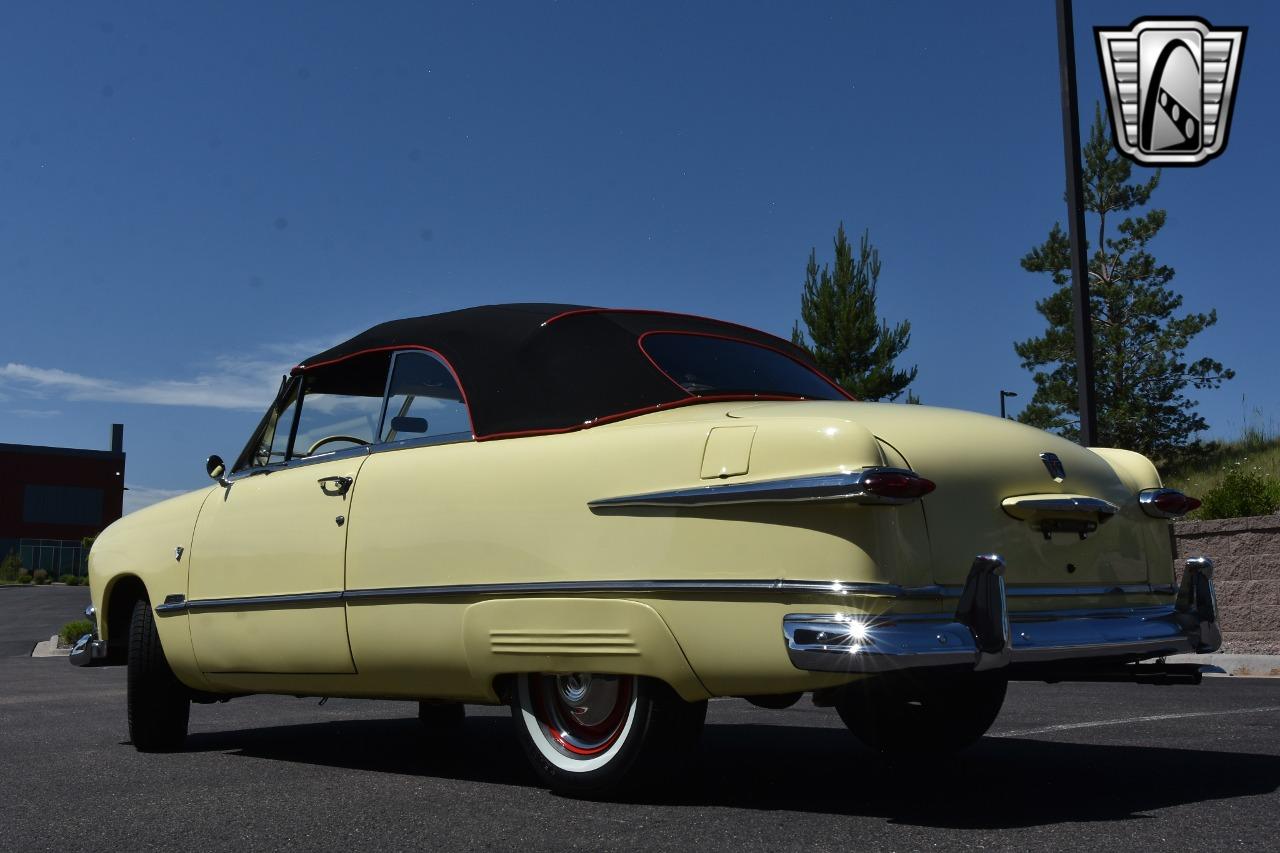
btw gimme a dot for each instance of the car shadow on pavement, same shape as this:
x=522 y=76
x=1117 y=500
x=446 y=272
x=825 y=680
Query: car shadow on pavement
x=1002 y=782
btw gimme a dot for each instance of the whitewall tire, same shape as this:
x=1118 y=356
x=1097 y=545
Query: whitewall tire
x=590 y=734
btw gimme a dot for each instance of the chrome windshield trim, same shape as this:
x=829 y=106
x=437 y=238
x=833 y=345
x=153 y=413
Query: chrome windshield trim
x=842 y=486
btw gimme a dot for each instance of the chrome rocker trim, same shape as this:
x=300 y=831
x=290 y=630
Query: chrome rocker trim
x=984 y=635
x=846 y=486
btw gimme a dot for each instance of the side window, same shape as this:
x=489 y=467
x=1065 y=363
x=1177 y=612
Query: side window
x=341 y=405
x=423 y=400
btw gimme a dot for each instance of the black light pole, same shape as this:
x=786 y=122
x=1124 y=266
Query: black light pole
x=1004 y=394
x=1075 y=223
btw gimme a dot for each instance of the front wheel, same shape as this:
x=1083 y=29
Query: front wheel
x=910 y=716
x=159 y=705
x=587 y=734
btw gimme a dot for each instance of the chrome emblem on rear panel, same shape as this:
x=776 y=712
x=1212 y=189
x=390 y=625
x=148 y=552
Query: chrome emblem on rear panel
x=1053 y=465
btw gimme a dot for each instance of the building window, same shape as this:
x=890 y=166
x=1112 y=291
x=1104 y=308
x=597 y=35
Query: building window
x=72 y=505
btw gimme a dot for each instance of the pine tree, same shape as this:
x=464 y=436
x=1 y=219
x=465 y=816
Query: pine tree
x=845 y=337
x=1141 y=372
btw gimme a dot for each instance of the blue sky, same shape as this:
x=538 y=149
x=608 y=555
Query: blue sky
x=193 y=198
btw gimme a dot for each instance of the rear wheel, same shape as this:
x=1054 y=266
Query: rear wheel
x=901 y=716
x=588 y=734
x=159 y=705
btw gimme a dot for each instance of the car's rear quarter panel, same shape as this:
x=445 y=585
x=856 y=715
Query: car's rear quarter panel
x=516 y=511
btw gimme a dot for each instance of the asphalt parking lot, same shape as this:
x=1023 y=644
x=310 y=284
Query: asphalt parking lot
x=1069 y=767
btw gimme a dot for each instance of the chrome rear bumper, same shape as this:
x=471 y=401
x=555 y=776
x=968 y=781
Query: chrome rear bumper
x=984 y=635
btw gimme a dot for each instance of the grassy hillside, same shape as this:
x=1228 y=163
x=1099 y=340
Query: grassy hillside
x=1256 y=451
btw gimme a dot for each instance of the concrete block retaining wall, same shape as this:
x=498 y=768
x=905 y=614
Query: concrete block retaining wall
x=1246 y=559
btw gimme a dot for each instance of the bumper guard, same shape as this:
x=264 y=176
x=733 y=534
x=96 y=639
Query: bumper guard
x=89 y=650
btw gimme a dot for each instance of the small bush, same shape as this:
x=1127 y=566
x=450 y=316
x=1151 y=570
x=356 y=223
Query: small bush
x=73 y=631
x=1243 y=492
x=24 y=577
x=69 y=580
x=10 y=567
x=40 y=576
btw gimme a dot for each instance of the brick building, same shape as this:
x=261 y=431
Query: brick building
x=52 y=497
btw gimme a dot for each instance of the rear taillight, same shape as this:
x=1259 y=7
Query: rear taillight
x=896 y=485
x=1166 y=503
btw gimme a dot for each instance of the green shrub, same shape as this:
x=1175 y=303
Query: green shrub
x=1243 y=492
x=24 y=577
x=40 y=576
x=10 y=567
x=73 y=631
x=69 y=580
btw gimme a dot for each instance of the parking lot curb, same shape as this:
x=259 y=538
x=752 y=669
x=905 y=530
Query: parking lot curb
x=49 y=649
x=1244 y=666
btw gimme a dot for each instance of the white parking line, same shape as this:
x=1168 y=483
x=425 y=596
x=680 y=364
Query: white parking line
x=1153 y=718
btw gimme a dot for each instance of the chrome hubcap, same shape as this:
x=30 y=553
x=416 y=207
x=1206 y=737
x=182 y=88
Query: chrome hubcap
x=582 y=714
x=589 y=701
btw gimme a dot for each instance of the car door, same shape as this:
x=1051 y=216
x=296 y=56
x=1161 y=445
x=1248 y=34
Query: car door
x=269 y=554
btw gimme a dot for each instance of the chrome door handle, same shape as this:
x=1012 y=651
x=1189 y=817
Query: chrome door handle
x=334 y=486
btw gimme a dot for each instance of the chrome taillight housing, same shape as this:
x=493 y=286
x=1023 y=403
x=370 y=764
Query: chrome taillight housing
x=1166 y=503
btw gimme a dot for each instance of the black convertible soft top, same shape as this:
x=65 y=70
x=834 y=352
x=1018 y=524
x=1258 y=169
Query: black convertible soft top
x=539 y=367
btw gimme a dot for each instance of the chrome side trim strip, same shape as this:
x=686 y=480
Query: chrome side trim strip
x=844 y=486
x=638 y=586
x=248 y=601
x=552 y=587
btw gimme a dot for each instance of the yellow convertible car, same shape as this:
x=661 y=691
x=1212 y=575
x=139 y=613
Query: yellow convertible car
x=603 y=518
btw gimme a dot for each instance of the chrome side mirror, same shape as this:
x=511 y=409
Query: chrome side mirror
x=216 y=468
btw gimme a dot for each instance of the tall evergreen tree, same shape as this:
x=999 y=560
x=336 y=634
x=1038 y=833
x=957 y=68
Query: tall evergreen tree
x=1139 y=341
x=845 y=337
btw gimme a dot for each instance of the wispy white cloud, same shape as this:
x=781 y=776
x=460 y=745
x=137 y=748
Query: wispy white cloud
x=35 y=413
x=137 y=497
x=245 y=382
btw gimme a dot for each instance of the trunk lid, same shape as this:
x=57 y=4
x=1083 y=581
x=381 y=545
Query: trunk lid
x=978 y=463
